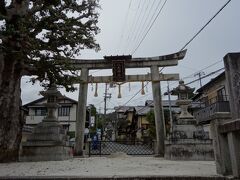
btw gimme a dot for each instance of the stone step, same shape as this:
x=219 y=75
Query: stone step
x=117 y=178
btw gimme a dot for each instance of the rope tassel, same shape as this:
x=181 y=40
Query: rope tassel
x=119 y=91
x=96 y=88
x=142 y=92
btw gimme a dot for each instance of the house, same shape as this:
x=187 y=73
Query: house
x=136 y=116
x=212 y=98
x=66 y=113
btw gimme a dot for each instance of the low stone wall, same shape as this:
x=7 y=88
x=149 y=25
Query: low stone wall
x=189 y=149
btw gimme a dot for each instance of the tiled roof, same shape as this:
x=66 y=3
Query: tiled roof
x=43 y=99
x=164 y=103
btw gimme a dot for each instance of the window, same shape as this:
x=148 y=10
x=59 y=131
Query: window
x=41 y=111
x=64 y=111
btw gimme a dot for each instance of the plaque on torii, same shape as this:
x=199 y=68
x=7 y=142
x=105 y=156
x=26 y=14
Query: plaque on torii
x=118 y=65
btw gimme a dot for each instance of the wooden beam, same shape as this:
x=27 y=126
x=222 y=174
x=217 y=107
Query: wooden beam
x=131 y=78
x=159 y=61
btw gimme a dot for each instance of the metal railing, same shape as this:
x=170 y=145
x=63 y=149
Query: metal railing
x=128 y=147
x=215 y=105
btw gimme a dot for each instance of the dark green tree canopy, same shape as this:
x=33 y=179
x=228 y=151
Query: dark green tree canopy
x=45 y=34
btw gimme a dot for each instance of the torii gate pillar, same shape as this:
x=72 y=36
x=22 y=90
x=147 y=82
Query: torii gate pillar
x=158 y=112
x=81 y=112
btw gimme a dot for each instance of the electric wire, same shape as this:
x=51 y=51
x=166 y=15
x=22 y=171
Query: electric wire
x=135 y=27
x=214 y=72
x=215 y=15
x=135 y=95
x=145 y=18
x=148 y=20
x=125 y=24
x=134 y=17
x=145 y=35
x=181 y=48
x=203 y=69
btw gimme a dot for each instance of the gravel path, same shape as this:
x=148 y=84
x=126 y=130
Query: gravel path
x=114 y=165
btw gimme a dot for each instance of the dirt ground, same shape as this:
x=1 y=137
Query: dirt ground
x=114 y=165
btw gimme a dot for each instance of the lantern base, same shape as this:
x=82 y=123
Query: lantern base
x=47 y=143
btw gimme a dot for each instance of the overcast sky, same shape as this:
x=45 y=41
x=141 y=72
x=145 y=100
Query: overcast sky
x=123 y=23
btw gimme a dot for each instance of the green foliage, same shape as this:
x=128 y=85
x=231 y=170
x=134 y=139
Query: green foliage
x=93 y=110
x=46 y=34
x=100 y=123
x=151 y=119
x=71 y=134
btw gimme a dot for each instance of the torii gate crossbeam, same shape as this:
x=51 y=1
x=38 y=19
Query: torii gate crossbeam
x=153 y=63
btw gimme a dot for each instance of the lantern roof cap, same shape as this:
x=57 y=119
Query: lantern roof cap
x=182 y=88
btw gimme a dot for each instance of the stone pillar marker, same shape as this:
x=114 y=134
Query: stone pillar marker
x=48 y=141
x=232 y=71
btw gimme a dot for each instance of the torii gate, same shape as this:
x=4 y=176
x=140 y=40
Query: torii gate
x=153 y=63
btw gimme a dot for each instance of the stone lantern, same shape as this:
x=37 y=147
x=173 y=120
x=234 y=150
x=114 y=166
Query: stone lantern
x=185 y=142
x=52 y=94
x=183 y=101
x=49 y=140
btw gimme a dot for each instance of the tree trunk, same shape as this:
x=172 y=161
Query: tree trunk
x=11 y=122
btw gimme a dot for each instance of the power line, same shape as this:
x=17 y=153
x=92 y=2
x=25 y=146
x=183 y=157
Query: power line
x=191 y=75
x=205 y=25
x=175 y=82
x=125 y=23
x=142 y=27
x=210 y=74
x=137 y=21
x=135 y=95
x=200 y=29
x=134 y=17
x=203 y=69
x=149 y=28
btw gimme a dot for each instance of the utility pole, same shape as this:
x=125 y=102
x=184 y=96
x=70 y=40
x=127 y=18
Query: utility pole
x=170 y=108
x=89 y=120
x=200 y=74
x=106 y=96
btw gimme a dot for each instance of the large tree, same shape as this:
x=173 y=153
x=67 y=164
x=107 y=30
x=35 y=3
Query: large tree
x=38 y=37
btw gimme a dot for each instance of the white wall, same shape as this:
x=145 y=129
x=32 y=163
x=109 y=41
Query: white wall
x=70 y=120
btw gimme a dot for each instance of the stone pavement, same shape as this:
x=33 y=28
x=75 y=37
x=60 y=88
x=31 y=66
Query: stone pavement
x=118 y=166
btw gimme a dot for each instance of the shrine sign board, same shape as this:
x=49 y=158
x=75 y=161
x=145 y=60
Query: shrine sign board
x=118 y=66
x=118 y=70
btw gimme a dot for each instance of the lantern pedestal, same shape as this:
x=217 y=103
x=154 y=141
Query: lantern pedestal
x=184 y=104
x=49 y=140
x=188 y=141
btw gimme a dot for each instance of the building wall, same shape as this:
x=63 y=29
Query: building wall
x=211 y=92
x=129 y=117
x=142 y=120
x=70 y=121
